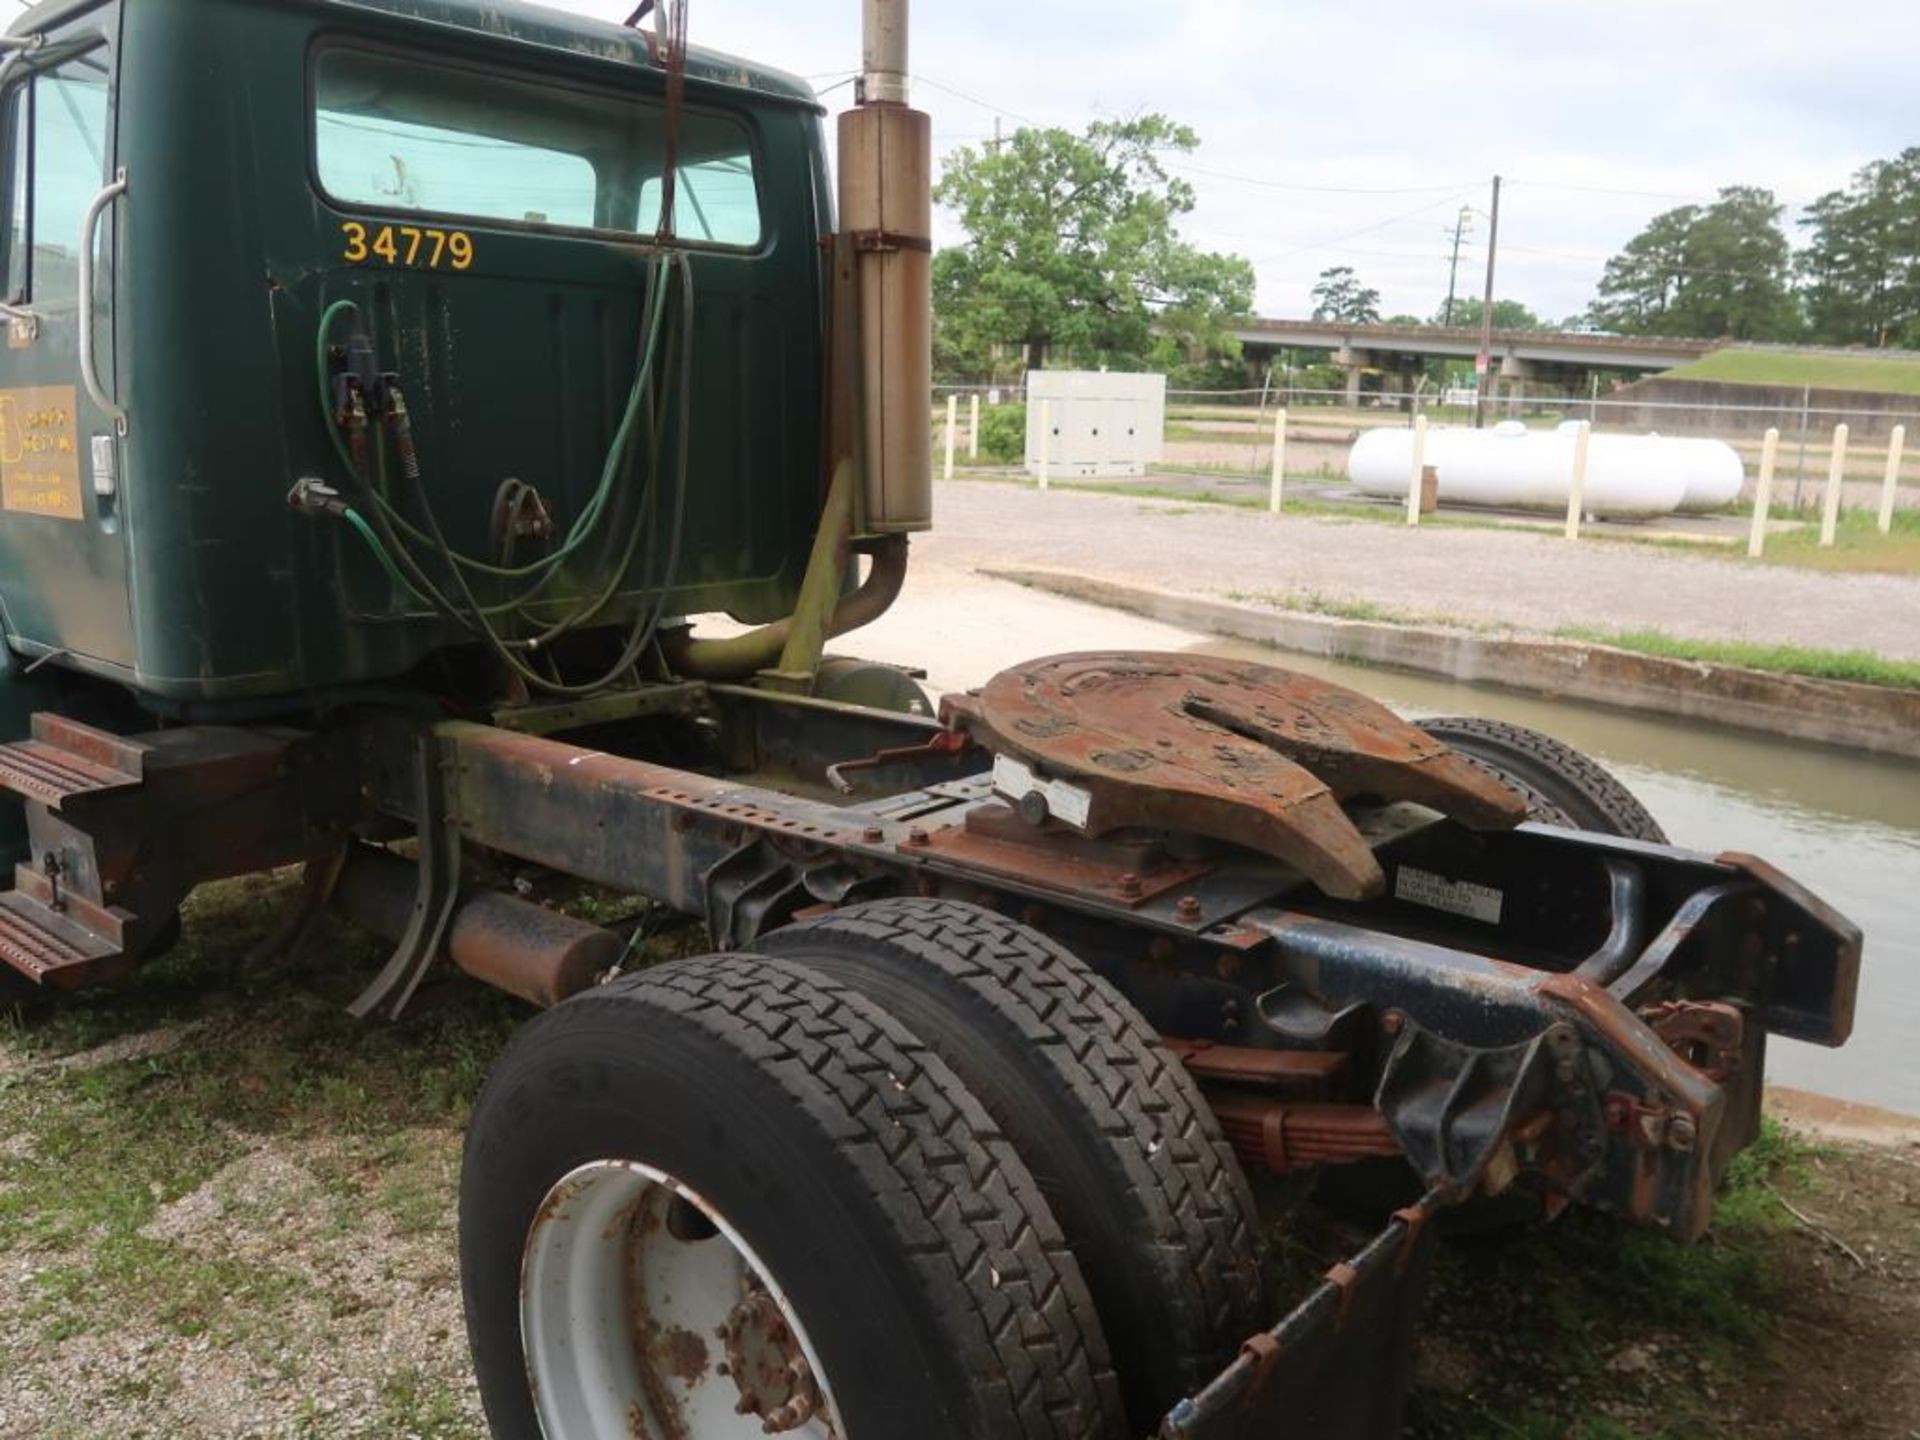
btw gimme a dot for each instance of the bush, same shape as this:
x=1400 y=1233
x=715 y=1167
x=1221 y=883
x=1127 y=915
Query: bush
x=1003 y=434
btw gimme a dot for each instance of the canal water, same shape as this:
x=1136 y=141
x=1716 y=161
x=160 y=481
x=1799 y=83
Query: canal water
x=1844 y=824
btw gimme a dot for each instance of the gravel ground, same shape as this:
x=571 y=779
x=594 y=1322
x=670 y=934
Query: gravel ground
x=1525 y=580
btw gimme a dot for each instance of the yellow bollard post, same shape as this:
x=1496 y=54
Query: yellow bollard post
x=1419 y=464
x=1279 y=462
x=1763 y=494
x=1836 y=473
x=953 y=425
x=1896 y=446
x=1577 y=488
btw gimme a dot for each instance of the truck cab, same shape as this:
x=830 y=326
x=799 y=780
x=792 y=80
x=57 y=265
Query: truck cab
x=471 y=189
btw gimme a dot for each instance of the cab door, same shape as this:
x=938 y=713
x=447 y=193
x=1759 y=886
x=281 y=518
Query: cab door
x=63 y=547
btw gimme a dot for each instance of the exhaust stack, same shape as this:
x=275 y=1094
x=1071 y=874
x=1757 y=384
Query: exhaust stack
x=886 y=212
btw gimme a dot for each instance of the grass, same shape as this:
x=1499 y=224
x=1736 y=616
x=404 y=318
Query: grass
x=267 y=1077
x=1738 y=365
x=265 y=1070
x=1860 y=666
x=1858 y=545
x=1571 y=1298
x=1345 y=607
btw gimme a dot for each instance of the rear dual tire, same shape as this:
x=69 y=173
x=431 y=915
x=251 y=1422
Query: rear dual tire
x=1126 y=1150
x=899 y=1233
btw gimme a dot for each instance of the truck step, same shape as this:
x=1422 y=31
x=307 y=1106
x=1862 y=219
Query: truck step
x=63 y=758
x=49 y=946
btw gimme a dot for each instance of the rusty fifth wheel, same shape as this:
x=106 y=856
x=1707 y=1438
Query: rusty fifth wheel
x=1248 y=753
x=1130 y=1157
x=730 y=1198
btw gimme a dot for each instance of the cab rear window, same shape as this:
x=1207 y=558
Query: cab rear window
x=392 y=132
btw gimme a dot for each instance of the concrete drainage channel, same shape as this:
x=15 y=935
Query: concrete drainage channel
x=1872 y=718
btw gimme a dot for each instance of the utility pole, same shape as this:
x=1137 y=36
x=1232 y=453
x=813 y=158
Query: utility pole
x=1483 y=363
x=1453 y=269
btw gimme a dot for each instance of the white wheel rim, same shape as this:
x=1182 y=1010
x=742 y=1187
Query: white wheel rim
x=630 y=1329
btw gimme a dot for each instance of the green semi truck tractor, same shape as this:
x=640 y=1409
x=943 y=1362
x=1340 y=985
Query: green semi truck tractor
x=390 y=386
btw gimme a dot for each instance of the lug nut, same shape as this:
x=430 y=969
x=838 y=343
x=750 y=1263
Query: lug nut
x=1129 y=884
x=1187 y=908
x=917 y=836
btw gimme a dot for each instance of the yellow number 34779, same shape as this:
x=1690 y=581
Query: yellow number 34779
x=407 y=245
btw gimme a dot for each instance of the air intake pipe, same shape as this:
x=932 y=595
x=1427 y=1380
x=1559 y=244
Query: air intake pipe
x=880 y=375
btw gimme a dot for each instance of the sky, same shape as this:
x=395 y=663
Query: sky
x=1354 y=133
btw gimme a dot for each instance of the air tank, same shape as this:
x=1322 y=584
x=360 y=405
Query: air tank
x=1629 y=477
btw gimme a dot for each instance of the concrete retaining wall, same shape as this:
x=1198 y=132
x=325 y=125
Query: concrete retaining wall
x=1829 y=712
x=1706 y=406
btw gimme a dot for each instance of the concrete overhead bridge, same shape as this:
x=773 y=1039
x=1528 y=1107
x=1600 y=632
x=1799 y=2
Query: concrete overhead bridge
x=1562 y=360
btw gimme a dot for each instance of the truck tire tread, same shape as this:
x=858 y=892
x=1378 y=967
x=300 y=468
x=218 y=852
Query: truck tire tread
x=1184 y=1205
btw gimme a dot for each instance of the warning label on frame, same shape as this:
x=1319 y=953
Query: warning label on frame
x=1456 y=897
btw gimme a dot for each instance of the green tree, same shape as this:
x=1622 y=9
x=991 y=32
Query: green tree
x=1709 y=271
x=1340 y=296
x=1507 y=315
x=1072 y=246
x=1860 y=272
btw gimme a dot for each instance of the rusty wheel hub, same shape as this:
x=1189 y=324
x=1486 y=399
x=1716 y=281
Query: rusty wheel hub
x=766 y=1362
x=627 y=1278
x=1245 y=753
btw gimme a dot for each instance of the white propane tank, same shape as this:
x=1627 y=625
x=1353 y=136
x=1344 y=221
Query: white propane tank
x=1629 y=477
x=1713 y=469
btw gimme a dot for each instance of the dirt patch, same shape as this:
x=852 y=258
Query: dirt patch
x=1767 y=1329
x=336 y=1305
x=139 y=1046
x=1845 y=1345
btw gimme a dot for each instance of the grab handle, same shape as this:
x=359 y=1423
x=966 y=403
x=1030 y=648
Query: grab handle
x=89 y=225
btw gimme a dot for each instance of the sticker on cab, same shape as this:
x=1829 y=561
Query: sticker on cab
x=40 y=452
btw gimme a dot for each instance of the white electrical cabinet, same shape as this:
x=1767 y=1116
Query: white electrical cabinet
x=1103 y=423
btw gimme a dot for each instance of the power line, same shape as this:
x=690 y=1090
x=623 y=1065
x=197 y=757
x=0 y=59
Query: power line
x=1308 y=189
x=986 y=105
x=1356 y=234
x=1571 y=186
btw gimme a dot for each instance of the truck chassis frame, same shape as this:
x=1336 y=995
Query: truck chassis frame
x=1603 y=1042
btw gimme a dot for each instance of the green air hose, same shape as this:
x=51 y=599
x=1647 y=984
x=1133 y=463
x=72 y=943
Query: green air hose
x=589 y=518
x=386 y=531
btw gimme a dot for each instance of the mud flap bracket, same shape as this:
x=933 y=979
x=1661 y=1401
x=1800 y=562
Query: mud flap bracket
x=1338 y=1367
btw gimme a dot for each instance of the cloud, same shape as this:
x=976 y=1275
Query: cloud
x=1573 y=102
